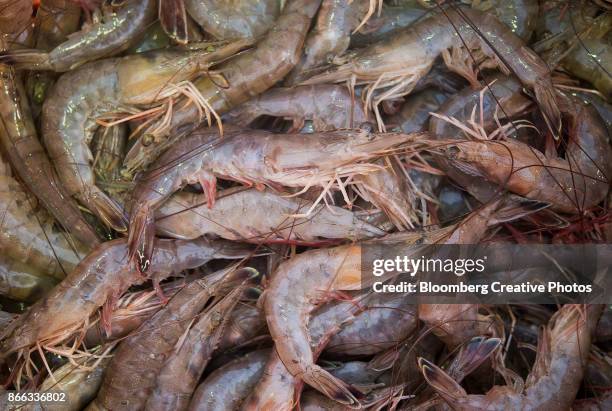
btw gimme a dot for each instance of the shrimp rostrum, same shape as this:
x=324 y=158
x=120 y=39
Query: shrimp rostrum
x=393 y=66
x=254 y=158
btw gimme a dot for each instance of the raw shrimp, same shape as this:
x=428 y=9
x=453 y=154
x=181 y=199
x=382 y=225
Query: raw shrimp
x=296 y=288
x=398 y=63
x=106 y=38
x=329 y=107
x=231 y=19
x=29 y=237
x=578 y=182
x=78 y=97
x=501 y=99
x=14 y=15
x=592 y=61
x=181 y=372
x=79 y=382
x=100 y=279
x=131 y=375
x=29 y=161
x=244 y=77
x=279 y=388
x=386 y=320
x=21 y=283
x=255 y=158
x=331 y=34
x=555 y=377
x=226 y=387
x=187 y=216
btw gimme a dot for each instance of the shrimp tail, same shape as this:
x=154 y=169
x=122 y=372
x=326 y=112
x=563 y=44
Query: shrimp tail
x=329 y=385
x=141 y=236
x=108 y=210
x=173 y=18
x=547 y=101
x=28 y=59
x=440 y=381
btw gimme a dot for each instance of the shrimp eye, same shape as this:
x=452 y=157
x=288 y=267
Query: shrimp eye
x=147 y=140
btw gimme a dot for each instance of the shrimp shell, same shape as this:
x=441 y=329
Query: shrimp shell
x=578 y=182
x=28 y=236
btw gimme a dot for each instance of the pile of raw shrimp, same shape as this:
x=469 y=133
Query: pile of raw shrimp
x=187 y=187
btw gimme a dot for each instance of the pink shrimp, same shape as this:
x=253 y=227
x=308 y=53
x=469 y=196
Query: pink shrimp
x=556 y=375
x=396 y=64
x=577 y=182
x=261 y=158
x=279 y=388
x=186 y=216
x=131 y=376
x=100 y=279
